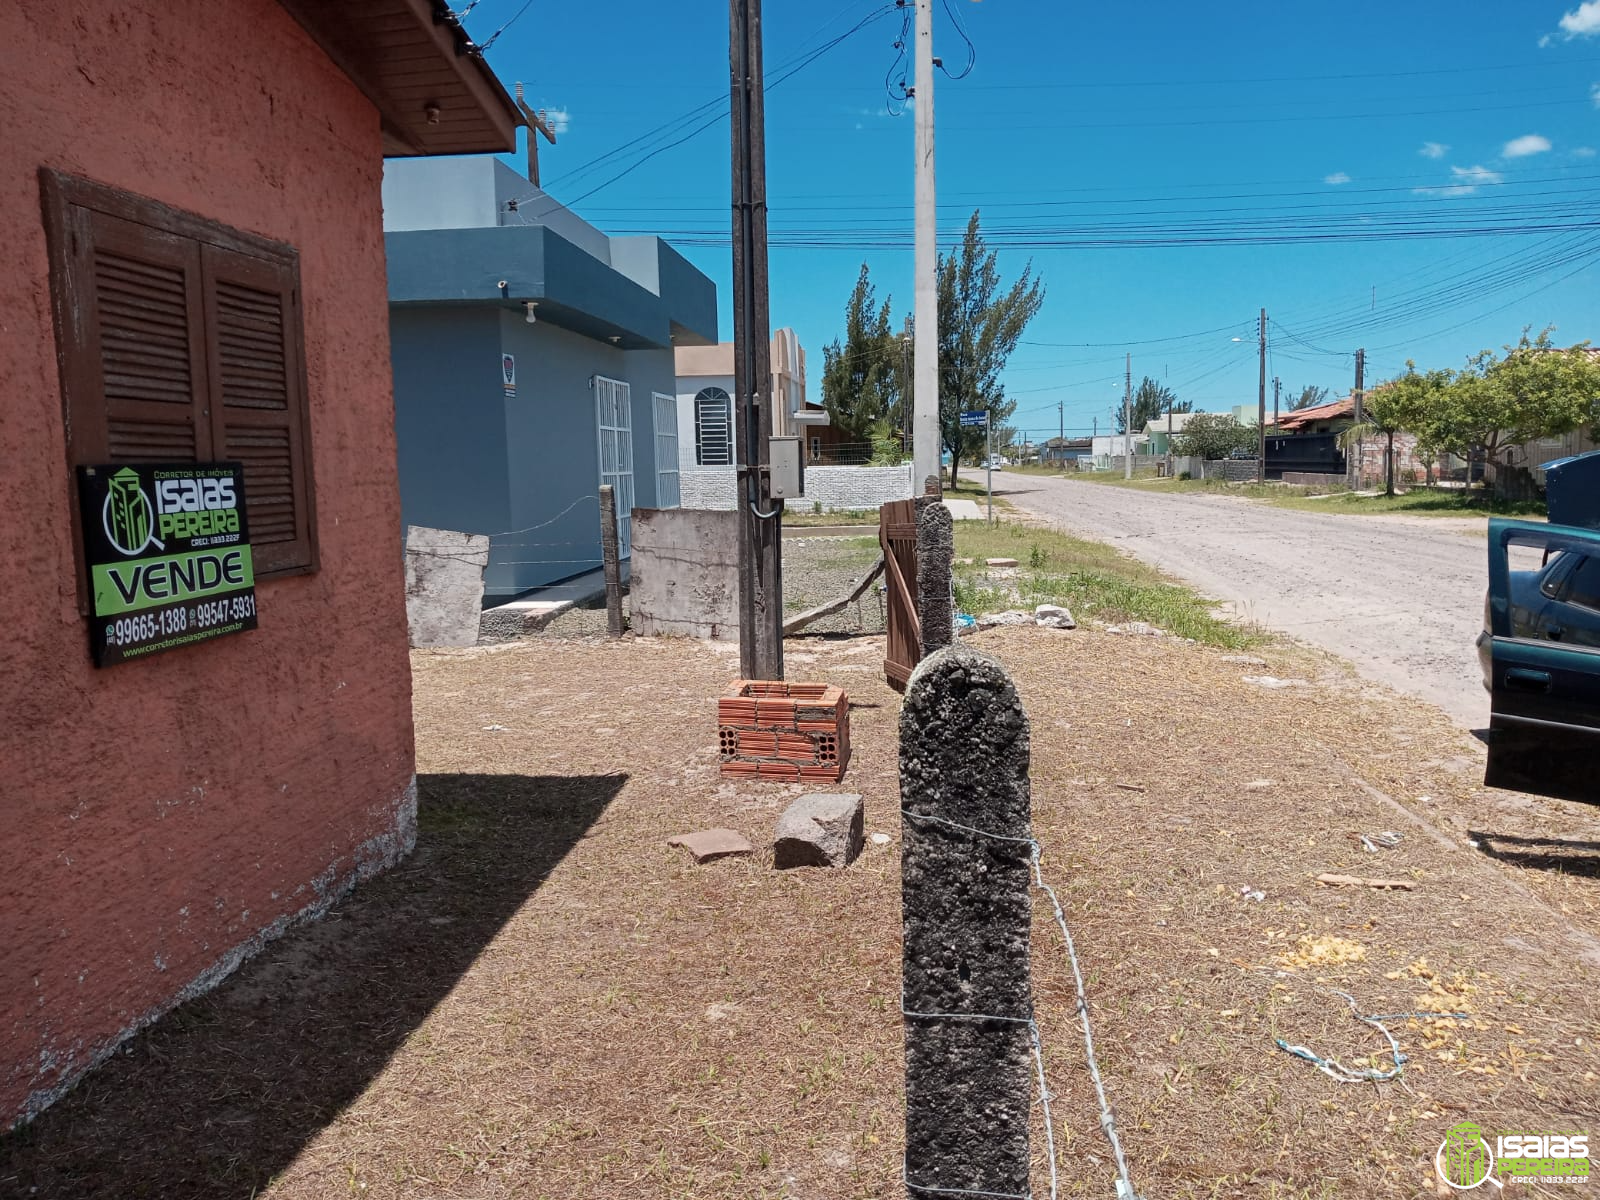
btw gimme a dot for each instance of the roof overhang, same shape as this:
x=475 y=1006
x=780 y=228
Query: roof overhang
x=415 y=62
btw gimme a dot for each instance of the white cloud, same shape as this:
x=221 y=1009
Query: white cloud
x=1336 y=178
x=1467 y=181
x=1594 y=93
x=559 y=119
x=1583 y=152
x=1434 y=150
x=1583 y=21
x=1530 y=143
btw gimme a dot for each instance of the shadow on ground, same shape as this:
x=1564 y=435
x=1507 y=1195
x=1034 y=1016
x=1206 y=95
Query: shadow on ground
x=1541 y=853
x=220 y=1095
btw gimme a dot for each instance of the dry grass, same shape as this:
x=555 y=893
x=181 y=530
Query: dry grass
x=547 y=1001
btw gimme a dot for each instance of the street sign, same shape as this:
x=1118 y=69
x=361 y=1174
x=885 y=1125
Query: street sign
x=975 y=418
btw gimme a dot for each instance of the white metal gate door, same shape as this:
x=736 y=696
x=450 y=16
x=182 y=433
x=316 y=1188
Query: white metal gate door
x=614 y=403
x=667 y=491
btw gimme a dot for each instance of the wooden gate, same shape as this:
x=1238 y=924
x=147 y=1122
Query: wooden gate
x=897 y=535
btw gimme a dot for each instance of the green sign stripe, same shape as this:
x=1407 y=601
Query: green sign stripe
x=145 y=583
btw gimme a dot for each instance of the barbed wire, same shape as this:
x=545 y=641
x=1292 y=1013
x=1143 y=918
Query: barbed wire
x=1108 y=1122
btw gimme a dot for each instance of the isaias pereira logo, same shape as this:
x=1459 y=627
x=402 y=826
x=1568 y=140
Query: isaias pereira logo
x=1465 y=1159
x=128 y=515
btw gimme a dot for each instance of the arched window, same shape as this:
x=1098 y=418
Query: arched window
x=713 y=428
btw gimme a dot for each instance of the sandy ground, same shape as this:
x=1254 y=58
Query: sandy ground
x=546 y=1000
x=1400 y=597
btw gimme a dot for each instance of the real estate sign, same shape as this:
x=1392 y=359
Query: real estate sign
x=168 y=556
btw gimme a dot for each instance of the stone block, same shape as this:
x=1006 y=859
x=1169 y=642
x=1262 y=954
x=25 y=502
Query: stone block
x=711 y=844
x=1000 y=562
x=823 y=829
x=444 y=585
x=1054 y=616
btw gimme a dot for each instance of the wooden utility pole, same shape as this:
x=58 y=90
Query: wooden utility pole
x=1261 y=416
x=1127 y=418
x=536 y=125
x=760 y=534
x=925 y=260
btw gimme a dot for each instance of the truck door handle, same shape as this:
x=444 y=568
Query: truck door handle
x=1521 y=679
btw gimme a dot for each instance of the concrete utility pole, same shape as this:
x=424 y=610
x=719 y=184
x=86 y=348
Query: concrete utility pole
x=925 y=397
x=1261 y=416
x=1277 y=389
x=760 y=534
x=1360 y=411
x=1127 y=419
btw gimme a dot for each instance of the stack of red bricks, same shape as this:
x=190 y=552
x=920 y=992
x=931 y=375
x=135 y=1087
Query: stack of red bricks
x=784 y=730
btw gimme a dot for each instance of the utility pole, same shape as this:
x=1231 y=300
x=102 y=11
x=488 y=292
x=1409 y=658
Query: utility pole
x=925 y=423
x=1360 y=408
x=760 y=534
x=1277 y=389
x=1061 y=416
x=1127 y=419
x=1261 y=415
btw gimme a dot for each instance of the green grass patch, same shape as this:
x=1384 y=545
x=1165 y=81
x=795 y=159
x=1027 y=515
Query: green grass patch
x=1090 y=578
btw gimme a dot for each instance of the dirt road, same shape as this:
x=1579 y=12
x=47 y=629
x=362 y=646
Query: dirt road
x=1400 y=597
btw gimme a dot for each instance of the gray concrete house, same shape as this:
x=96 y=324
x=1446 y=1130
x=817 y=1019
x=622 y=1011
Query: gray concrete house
x=533 y=361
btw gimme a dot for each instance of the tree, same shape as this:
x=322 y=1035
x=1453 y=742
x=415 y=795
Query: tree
x=861 y=379
x=1213 y=435
x=1309 y=397
x=1536 y=390
x=979 y=327
x=1151 y=401
x=1409 y=402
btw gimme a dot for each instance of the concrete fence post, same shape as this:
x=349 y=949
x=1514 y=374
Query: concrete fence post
x=935 y=561
x=966 y=819
x=610 y=557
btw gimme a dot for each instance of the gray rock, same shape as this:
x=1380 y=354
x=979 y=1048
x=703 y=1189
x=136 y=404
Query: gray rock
x=1012 y=616
x=1054 y=616
x=822 y=829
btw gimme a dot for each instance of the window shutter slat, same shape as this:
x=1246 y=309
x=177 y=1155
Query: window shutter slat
x=148 y=398
x=252 y=310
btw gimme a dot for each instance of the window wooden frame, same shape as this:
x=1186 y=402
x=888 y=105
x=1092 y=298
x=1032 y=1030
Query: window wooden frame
x=181 y=339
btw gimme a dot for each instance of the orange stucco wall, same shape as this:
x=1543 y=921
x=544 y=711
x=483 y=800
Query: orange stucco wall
x=158 y=818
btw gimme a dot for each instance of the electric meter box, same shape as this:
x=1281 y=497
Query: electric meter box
x=786 y=476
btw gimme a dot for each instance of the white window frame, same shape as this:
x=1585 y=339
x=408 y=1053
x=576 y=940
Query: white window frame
x=705 y=393
x=669 y=494
x=616 y=395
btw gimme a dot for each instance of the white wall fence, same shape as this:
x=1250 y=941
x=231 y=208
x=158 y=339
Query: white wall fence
x=832 y=487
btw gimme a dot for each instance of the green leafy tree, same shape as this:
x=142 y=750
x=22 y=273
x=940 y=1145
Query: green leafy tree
x=980 y=323
x=1309 y=397
x=1412 y=402
x=1535 y=390
x=861 y=377
x=1151 y=402
x=1213 y=435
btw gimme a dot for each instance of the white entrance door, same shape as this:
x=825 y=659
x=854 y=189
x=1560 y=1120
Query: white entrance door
x=667 y=493
x=614 y=403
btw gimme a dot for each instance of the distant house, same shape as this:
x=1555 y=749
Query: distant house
x=533 y=362
x=705 y=392
x=1333 y=417
x=192 y=274
x=1064 y=451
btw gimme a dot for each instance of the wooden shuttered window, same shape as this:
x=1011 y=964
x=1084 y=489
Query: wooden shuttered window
x=180 y=340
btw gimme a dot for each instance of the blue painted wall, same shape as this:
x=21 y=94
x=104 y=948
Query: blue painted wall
x=449 y=411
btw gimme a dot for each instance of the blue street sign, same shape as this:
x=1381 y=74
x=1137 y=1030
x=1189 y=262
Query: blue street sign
x=975 y=418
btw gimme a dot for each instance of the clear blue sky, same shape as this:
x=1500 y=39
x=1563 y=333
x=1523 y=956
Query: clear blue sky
x=1167 y=123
